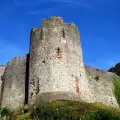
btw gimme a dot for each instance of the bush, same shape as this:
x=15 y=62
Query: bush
x=25 y=116
x=5 y=113
x=116 y=90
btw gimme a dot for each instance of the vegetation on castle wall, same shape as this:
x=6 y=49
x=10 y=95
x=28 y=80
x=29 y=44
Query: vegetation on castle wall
x=116 y=90
x=6 y=114
x=68 y=110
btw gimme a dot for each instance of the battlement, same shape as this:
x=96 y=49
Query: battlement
x=16 y=60
x=52 y=26
x=34 y=29
x=52 y=22
x=55 y=23
x=24 y=57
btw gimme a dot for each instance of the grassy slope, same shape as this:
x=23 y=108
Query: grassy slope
x=71 y=110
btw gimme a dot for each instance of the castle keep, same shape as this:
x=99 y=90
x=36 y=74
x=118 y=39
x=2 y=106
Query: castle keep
x=53 y=69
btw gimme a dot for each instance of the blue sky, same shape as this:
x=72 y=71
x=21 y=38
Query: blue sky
x=97 y=20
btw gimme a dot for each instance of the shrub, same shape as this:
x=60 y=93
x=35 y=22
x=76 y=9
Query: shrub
x=116 y=90
x=5 y=113
x=25 y=116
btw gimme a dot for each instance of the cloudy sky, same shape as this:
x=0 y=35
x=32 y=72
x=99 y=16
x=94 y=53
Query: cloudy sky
x=97 y=20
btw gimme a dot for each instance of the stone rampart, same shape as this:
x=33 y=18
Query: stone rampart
x=101 y=86
x=2 y=68
x=13 y=95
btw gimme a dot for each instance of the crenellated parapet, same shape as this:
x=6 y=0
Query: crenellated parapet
x=25 y=57
x=53 y=22
x=48 y=27
x=54 y=27
x=17 y=60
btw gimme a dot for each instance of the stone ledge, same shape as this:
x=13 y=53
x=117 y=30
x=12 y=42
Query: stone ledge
x=52 y=96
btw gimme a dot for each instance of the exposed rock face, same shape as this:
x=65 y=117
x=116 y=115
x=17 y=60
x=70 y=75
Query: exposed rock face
x=115 y=69
x=54 y=69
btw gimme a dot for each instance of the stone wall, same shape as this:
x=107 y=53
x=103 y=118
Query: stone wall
x=55 y=71
x=2 y=68
x=101 y=86
x=56 y=63
x=13 y=91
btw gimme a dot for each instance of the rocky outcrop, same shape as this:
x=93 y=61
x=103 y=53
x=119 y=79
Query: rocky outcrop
x=115 y=69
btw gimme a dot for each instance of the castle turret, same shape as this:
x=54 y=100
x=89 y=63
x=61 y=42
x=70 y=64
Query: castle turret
x=56 y=63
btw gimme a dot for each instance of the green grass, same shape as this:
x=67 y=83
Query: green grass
x=69 y=110
x=72 y=110
x=116 y=90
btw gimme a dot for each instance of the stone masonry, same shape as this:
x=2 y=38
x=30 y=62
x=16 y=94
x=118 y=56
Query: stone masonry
x=56 y=63
x=2 y=69
x=101 y=86
x=53 y=69
x=13 y=95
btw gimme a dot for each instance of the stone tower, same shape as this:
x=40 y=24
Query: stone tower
x=56 y=63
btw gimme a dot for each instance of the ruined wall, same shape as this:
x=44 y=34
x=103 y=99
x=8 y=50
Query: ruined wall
x=13 y=95
x=2 y=68
x=101 y=86
x=56 y=63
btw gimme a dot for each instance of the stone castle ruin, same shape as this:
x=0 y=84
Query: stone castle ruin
x=54 y=69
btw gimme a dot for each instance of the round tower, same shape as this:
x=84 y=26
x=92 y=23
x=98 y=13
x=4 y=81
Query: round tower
x=56 y=63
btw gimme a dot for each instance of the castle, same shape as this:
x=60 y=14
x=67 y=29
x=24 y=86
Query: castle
x=54 y=69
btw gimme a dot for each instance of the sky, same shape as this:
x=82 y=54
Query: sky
x=97 y=20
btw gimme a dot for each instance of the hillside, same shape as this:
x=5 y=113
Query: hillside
x=65 y=110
